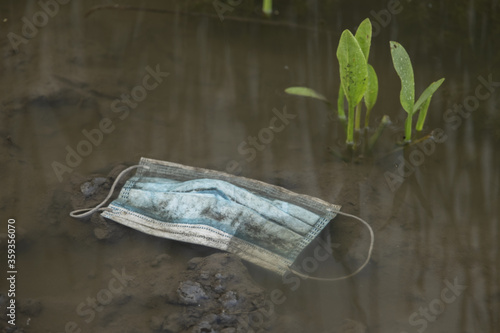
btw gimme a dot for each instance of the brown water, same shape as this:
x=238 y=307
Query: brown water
x=434 y=208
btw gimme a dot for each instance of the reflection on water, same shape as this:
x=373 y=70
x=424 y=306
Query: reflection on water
x=436 y=261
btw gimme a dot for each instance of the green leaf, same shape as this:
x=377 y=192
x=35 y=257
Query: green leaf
x=364 y=37
x=428 y=92
x=423 y=114
x=353 y=68
x=306 y=92
x=402 y=64
x=371 y=88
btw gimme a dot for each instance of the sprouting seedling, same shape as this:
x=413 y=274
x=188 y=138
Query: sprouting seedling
x=352 y=53
x=402 y=64
x=358 y=81
x=357 y=72
x=353 y=76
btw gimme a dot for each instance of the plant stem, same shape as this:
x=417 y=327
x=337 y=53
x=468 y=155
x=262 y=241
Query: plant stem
x=350 y=125
x=267 y=7
x=340 y=104
x=408 y=128
x=358 y=117
x=427 y=137
x=422 y=114
x=367 y=118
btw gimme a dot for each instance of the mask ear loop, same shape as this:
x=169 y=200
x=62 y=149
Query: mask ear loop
x=82 y=213
x=370 y=249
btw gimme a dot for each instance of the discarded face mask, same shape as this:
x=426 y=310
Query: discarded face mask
x=261 y=223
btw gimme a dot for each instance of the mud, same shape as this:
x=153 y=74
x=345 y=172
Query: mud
x=438 y=226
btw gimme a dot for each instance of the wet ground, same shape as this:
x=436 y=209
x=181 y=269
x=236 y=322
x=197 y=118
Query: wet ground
x=73 y=113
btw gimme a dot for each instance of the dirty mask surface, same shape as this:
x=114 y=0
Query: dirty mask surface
x=261 y=223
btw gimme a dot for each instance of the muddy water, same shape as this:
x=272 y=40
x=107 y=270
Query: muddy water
x=433 y=207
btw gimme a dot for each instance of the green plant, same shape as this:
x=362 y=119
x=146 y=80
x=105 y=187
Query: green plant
x=402 y=64
x=353 y=78
x=358 y=81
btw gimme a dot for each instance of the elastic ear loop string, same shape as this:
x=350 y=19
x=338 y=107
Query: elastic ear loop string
x=372 y=240
x=85 y=212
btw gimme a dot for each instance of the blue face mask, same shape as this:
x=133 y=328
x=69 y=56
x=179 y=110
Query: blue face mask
x=261 y=223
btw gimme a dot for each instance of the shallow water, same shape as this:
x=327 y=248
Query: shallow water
x=434 y=207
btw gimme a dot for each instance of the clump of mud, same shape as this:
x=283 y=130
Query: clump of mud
x=214 y=294
x=211 y=294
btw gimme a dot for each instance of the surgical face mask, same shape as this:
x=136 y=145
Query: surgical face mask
x=261 y=223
